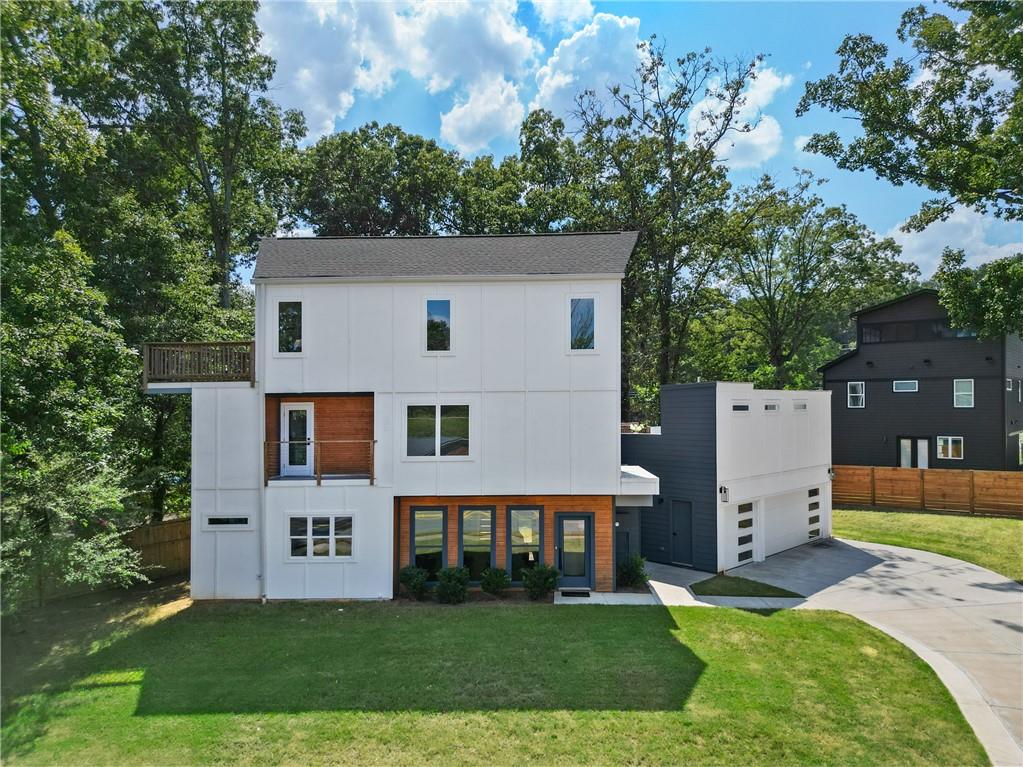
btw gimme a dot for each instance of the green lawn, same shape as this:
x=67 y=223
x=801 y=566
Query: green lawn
x=170 y=682
x=732 y=586
x=990 y=542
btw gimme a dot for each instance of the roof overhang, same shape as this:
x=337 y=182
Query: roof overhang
x=466 y=278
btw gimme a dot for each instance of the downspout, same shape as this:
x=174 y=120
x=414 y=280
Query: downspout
x=258 y=365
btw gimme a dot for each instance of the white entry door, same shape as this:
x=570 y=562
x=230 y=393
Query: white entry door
x=297 y=436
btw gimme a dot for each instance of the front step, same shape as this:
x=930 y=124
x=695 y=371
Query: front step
x=576 y=593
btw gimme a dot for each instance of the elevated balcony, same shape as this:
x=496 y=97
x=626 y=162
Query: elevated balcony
x=172 y=368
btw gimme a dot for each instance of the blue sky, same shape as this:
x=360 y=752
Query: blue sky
x=466 y=73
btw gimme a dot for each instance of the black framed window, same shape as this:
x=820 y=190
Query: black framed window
x=289 y=327
x=429 y=534
x=525 y=540
x=583 y=322
x=476 y=534
x=436 y=430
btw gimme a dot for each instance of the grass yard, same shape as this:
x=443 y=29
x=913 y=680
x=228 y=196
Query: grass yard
x=990 y=542
x=166 y=681
x=733 y=586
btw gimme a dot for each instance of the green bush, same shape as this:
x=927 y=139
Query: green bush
x=452 y=585
x=414 y=580
x=539 y=581
x=495 y=580
x=632 y=571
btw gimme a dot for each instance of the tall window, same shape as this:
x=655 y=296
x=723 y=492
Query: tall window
x=962 y=392
x=524 y=552
x=583 y=324
x=856 y=394
x=316 y=537
x=428 y=540
x=438 y=325
x=437 y=430
x=950 y=448
x=289 y=327
x=477 y=540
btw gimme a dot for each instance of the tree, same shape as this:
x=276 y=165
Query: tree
x=988 y=299
x=795 y=260
x=652 y=173
x=948 y=119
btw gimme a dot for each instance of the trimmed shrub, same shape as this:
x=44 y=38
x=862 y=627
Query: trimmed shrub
x=452 y=585
x=632 y=571
x=539 y=581
x=413 y=579
x=494 y=581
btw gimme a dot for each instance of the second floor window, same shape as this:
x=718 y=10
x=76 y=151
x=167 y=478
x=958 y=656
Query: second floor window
x=289 y=327
x=905 y=386
x=962 y=392
x=438 y=325
x=582 y=324
x=856 y=394
x=436 y=430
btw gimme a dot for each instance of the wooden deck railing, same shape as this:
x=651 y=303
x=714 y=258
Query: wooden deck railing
x=332 y=458
x=199 y=361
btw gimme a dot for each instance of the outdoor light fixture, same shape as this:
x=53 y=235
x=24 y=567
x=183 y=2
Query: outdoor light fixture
x=723 y=492
x=927 y=361
x=870 y=363
x=831 y=473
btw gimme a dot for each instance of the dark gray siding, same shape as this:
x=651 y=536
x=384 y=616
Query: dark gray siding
x=684 y=457
x=869 y=436
x=1013 y=401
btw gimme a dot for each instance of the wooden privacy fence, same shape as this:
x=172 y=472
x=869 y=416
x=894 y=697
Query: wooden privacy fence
x=165 y=547
x=977 y=492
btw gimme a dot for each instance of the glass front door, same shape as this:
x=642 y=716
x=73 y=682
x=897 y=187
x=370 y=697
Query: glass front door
x=297 y=436
x=575 y=551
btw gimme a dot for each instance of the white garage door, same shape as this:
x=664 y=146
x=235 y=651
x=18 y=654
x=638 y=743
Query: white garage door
x=785 y=521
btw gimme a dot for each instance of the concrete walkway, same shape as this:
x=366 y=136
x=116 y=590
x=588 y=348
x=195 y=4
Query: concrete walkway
x=965 y=621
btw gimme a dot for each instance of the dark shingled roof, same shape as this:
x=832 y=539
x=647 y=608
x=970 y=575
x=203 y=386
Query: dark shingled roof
x=444 y=256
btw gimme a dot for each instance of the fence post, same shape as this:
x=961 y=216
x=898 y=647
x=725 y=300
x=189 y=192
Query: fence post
x=972 y=501
x=922 y=493
x=873 y=494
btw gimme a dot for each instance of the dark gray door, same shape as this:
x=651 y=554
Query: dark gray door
x=681 y=532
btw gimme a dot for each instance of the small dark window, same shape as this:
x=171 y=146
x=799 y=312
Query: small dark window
x=815 y=505
x=743 y=523
x=289 y=327
x=815 y=533
x=815 y=519
x=438 y=325
x=744 y=539
x=227 y=520
x=813 y=492
x=740 y=408
x=744 y=555
x=745 y=508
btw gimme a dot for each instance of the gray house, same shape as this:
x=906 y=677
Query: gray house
x=916 y=392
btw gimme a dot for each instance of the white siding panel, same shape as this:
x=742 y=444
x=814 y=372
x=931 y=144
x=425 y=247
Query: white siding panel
x=239 y=438
x=548 y=446
x=504 y=338
x=204 y=438
x=413 y=370
x=547 y=358
x=461 y=370
x=371 y=355
x=504 y=440
x=595 y=427
x=325 y=338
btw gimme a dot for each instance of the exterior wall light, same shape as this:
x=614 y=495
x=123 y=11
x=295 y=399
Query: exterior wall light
x=723 y=493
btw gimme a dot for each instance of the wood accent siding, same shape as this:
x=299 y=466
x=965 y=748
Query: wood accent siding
x=335 y=417
x=601 y=506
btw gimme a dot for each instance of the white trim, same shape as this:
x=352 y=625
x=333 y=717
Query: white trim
x=275 y=330
x=862 y=394
x=950 y=457
x=568 y=323
x=955 y=394
x=916 y=386
x=286 y=469
x=331 y=557
x=450 y=351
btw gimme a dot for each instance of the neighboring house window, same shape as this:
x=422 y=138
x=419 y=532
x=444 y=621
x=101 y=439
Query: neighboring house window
x=524 y=535
x=320 y=536
x=856 y=394
x=962 y=392
x=429 y=528
x=289 y=327
x=438 y=325
x=905 y=386
x=437 y=430
x=799 y=405
x=950 y=448
x=582 y=323
x=477 y=535
x=772 y=407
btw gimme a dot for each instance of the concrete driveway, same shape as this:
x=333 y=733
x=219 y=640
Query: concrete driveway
x=964 y=620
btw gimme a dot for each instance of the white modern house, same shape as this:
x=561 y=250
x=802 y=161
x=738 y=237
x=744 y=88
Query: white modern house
x=435 y=401
x=744 y=473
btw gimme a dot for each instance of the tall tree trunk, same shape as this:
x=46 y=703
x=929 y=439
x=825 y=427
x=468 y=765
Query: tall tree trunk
x=221 y=248
x=158 y=492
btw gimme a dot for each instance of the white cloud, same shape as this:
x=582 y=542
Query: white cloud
x=753 y=148
x=491 y=109
x=563 y=14
x=800 y=142
x=600 y=54
x=328 y=52
x=983 y=238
